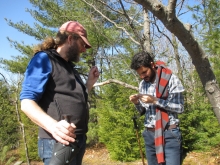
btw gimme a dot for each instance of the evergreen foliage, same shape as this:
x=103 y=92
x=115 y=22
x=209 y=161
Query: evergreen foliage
x=115 y=124
x=208 y=24
x=111 y=112
x=31 y=139
x=203 y=130
x=199 y=125
x=8 y=120
x=4 y=159
x=92 y=135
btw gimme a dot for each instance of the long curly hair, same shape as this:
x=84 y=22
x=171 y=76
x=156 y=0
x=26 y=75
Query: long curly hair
x=51 y=43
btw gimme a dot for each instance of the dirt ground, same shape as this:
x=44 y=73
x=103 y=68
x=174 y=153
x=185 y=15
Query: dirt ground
x=100 y=156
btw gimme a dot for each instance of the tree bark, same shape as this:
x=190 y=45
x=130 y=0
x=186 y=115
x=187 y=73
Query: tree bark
x=177 y=58
x=117 y=82
x=147 y=41
x=20 y=122
x=166 y=14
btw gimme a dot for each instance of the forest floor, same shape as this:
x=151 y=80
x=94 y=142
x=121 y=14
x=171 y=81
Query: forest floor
x=99 y=155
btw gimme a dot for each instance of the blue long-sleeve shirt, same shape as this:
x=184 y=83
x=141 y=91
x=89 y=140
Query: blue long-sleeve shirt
x=36 y=76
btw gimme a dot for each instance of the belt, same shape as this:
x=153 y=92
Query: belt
x=170 y=127
x=150 y=129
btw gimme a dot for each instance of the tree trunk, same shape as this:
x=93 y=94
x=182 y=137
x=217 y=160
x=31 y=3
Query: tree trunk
x=147 y=41
x=22 y=125
x=177 y=58
x=166 y=14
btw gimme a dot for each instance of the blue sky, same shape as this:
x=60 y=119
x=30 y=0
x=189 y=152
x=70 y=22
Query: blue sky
x=15 y=11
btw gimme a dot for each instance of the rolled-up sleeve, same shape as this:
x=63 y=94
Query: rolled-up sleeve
x=36 y=76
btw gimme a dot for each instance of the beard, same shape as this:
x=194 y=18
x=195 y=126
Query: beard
x=73 y=53
x=151 y=77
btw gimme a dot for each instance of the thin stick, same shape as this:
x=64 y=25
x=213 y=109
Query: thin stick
x=138 y=139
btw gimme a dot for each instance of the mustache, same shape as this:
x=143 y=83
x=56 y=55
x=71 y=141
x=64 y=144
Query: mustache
x=147 y=77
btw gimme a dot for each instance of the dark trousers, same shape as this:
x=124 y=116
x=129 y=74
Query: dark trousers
x=45 y=150
x=172 y=148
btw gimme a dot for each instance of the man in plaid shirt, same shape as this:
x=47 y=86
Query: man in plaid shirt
x=146 y=103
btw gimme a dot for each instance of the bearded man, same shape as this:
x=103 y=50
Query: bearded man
x=52 y=87
x=160 y=98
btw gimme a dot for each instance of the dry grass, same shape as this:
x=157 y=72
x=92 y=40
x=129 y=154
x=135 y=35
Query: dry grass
x=99 y=155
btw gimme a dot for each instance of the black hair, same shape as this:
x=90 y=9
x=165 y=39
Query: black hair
x=141 y=59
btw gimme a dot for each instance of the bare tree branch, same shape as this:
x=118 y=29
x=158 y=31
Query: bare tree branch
x=119 y=12
x=146 y=35
x=4 y=78
x=117 y=82
x=171 y=9
x=181 y=6
x=131 y=25
x=122 y=28
x=158 y=29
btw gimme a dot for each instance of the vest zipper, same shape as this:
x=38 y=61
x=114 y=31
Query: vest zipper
x=58 y=109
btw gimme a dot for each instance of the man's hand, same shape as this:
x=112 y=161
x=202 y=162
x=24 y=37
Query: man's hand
x=134 y=98
x=63 y=132
x=92 y=78
x=145 y=98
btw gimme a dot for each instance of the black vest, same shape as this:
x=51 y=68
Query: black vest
x=65 y=93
